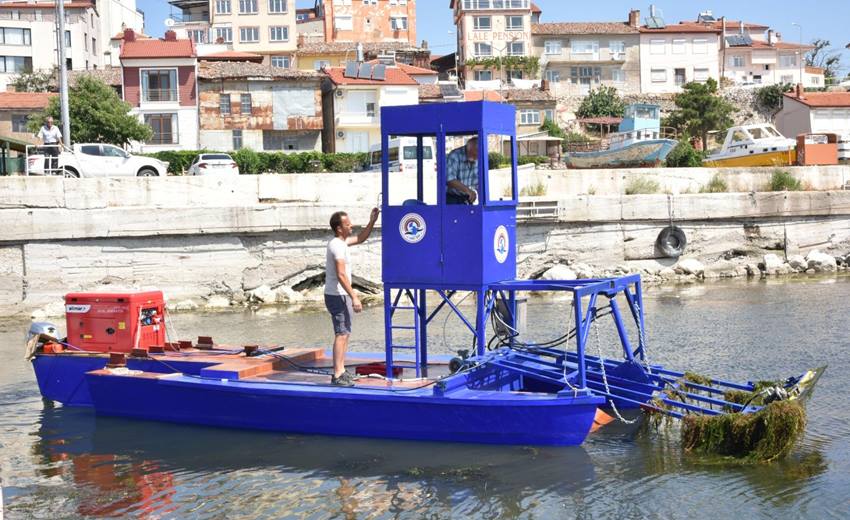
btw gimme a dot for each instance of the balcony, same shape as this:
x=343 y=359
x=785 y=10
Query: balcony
x=160 y=95
x=490 y=5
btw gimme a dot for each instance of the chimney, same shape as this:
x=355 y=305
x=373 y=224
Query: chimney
x=634 y=18
x=170 y=36
x=544 y=85
x=778 y=37
x=771 y=37
x=129 y=35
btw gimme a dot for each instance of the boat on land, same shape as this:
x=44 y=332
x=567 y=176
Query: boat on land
x=118 y=358
x=754 y=145
x=639 y=142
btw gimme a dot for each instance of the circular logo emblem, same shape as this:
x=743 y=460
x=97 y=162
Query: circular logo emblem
x=501 y=244
x=412 y=228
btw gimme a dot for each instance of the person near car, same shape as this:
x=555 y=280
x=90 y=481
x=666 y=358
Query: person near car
x=51 y=138
x=340 y=298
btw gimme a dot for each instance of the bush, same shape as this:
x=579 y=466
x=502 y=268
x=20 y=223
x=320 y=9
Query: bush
x=770 y=97
x=639 y=185
x=553 y=129
x=715 y=185
x=535 y=159
x=782 y=180
x=683 y=156
x=496 y=160
x=252 y=162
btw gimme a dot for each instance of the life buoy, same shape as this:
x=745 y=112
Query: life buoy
x=672 y=241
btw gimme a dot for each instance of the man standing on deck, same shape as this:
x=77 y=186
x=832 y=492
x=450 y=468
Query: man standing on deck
x=462 y=174
x=51 y=137
x=340 y=298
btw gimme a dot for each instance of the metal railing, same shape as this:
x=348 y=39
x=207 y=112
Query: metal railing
x=154 y=95
x=475 y=5
x=40 y=161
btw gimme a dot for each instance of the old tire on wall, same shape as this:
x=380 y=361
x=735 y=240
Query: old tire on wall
x=672 y=241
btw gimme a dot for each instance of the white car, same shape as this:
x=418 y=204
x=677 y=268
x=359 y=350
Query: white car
x=99 y=160
x=213 y=164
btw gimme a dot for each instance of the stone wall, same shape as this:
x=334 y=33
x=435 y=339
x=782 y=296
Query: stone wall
x=216 y=242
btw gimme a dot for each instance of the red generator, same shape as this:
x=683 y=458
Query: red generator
x=115 y=322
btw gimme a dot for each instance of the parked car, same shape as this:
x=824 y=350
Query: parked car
x=213 y=164
x=97 y=160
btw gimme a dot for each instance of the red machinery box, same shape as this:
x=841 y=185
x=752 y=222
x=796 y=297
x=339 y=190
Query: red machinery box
x=115 y=322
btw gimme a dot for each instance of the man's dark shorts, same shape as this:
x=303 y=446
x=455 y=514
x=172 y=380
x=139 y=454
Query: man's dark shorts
x=341 y=310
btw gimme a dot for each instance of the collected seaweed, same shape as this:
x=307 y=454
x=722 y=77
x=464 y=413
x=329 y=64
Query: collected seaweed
x=699 y=379
x=763 y=436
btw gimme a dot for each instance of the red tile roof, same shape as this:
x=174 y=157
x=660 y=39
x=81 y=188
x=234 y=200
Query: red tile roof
x=482 y=95
x=733 y=24
x=815 y=70
x=394 y=76
x=823 y=99
x=232 y=56
x=158 y=49
x=583 y=28
x=139 y=36
x=684 y=27
x=24 y=100
x=535 y=8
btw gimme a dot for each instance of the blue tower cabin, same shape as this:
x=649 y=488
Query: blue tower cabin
x=430 y=243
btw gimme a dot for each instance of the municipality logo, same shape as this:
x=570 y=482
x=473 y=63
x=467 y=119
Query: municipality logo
x=412 y=228
x=501 y=244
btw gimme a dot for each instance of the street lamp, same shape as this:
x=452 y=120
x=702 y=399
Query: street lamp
x=800 y=51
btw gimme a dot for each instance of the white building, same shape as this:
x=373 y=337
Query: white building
x=675 y=54
x=351 y=107
x=752 y=54
x=807 y=112
x=28 y=34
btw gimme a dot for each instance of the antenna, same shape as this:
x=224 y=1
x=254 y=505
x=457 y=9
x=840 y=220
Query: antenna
x=169 y=22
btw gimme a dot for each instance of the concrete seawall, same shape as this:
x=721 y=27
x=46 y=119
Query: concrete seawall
x=211 y=241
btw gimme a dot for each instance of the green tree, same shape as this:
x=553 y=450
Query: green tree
x=552 y=128
x=699 y=110
x=824 y=57
x=770 y=97
x=601 y=102
x=38 y=81
x=97 y=115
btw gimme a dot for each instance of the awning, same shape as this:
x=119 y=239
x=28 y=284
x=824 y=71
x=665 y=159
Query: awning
x=10 y=143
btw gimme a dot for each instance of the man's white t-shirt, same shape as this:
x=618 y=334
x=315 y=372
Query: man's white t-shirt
x=337 y=250
x=50 y=135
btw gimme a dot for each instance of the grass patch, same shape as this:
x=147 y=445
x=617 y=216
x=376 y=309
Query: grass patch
x=764 y=436
x=534 y=190
x=715 y=185
x=641 y=186
x=782 y=180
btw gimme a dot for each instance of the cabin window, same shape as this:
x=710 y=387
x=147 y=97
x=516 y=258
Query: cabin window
x=500 y=186
x=403 y=170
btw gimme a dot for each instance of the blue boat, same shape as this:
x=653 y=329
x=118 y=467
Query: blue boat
x=639 y=142
x=117 y=359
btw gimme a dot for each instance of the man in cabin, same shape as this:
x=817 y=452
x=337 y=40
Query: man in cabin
x=340 y=298
x=462 y=174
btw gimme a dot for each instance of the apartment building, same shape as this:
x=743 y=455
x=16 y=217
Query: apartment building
x=159 y=80
x=28 y=34
x=753 y=54
x=675 y=54
x=249 y=105
x=351 y=105
x=576 y=57
x=490 y=29
x=366 y=20
x=263 y=27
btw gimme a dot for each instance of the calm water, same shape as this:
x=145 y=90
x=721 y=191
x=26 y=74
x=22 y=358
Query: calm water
x=66 y=463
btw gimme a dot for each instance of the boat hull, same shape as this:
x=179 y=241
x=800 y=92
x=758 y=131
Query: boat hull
x=777 y=158
x=640 y=154
x=475 y=416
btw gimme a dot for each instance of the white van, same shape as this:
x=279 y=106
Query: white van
x=403 y=155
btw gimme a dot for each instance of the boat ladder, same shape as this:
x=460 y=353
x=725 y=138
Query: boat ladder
x=405 y=305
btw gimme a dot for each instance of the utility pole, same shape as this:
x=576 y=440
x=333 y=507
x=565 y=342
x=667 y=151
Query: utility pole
x=63 y=74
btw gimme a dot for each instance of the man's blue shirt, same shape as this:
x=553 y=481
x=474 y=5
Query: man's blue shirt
x=458 y=168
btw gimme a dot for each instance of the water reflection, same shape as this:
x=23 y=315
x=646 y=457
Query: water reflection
x=136 y=467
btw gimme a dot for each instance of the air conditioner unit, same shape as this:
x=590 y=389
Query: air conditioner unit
x=340 y=135
x=339 y=93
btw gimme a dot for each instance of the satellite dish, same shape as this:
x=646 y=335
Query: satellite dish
x=169 y=22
